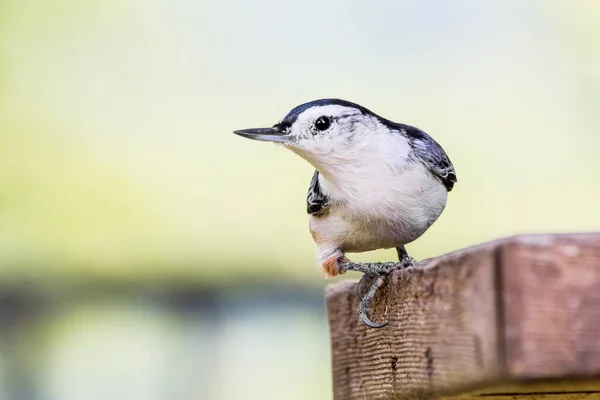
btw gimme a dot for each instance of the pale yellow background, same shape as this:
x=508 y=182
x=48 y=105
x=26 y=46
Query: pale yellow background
x=117 y=161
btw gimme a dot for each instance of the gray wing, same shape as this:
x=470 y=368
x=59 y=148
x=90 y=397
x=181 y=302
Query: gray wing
x=316 y=202
x=432 y=155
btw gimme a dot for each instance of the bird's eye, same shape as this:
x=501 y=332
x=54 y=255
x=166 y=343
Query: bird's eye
x=322 y=123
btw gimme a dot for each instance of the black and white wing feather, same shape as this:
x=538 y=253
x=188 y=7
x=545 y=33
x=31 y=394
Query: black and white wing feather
x=316 y=202
x=428 y=151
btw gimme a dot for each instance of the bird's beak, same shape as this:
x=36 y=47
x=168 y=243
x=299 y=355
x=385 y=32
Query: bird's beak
x=273 y=134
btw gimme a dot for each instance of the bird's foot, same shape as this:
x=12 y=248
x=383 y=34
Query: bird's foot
x=383 y=270
x=365 y=303
x=378 y=271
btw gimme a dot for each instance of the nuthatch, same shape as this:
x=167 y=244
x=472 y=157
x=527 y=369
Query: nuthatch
x=378 y=184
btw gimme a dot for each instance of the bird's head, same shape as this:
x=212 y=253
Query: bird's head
x=329 y=132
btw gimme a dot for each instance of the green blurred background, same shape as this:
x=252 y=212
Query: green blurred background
x=146 y=252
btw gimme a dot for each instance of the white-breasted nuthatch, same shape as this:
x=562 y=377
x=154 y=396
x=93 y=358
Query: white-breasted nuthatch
x=378 y=184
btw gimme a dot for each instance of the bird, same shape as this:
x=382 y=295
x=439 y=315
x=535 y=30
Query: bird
x=377 y=184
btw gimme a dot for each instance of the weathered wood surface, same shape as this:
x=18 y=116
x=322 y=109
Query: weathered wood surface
x=514 y=317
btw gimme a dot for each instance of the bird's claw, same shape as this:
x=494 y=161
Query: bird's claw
x=365 y=301
x=370 y=323
x=361 y=285
x=383 y=270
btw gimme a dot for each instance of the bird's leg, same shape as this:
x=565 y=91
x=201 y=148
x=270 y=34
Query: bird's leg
x=403 y=257
x=380 y=272
x=371 y=268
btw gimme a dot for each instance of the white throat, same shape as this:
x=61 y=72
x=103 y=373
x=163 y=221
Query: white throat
x=370 y=163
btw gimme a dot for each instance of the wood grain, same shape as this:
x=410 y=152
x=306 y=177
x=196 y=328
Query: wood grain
x=508 y=312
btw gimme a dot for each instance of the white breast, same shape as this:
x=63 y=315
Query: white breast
x=391 y=215
x=380 y=199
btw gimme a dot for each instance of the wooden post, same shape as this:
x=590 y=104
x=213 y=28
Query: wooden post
x=510 y=319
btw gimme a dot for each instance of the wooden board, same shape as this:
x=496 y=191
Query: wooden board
x=510 y=312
